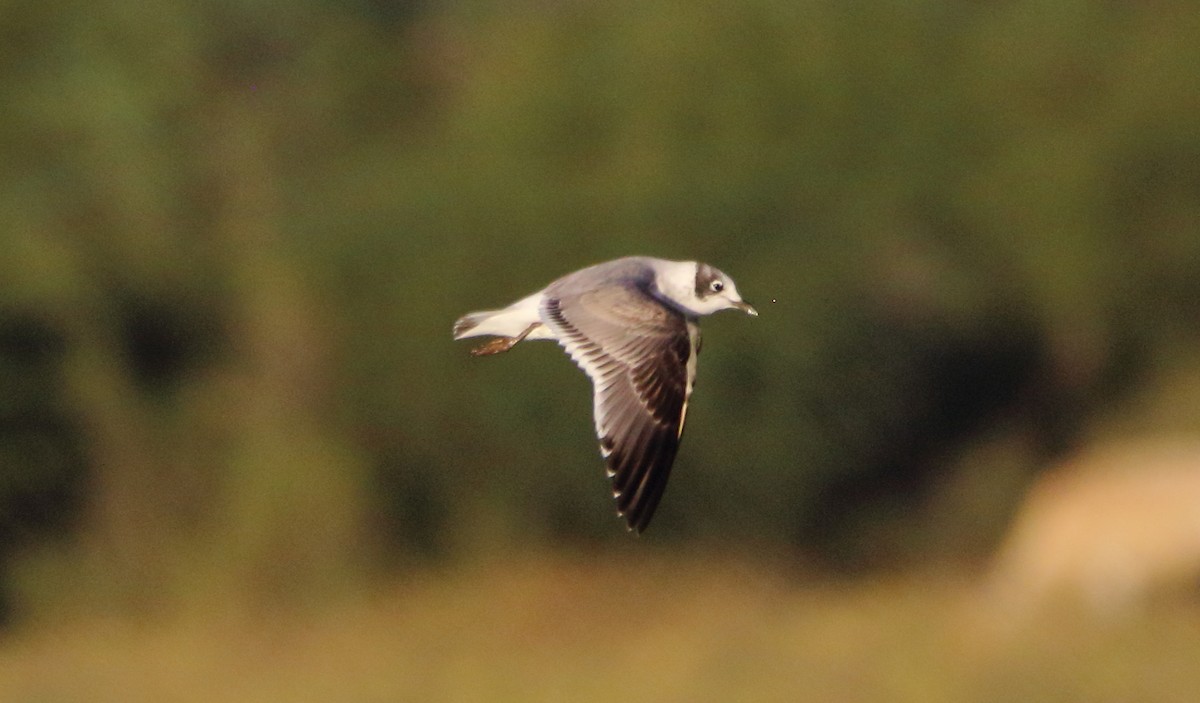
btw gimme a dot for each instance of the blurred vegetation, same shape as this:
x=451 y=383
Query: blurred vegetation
x=594 y=627
x=235 y=235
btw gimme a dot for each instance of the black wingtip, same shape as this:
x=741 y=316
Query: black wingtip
x=639 y=475
x=633 y=525
x=638 y=510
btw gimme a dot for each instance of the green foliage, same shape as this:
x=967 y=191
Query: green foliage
x=251 y=226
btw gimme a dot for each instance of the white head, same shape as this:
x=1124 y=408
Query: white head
x=701 y=289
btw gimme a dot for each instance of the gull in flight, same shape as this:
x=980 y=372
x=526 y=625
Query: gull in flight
x=631 y=325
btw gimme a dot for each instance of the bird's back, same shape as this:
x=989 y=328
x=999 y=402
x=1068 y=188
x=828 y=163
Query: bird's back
x=638 y=270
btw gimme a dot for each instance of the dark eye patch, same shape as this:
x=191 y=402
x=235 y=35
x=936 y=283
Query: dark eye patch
x=705 y=276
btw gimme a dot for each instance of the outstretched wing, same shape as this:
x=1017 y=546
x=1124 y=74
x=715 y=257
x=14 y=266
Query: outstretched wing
x=640 y=355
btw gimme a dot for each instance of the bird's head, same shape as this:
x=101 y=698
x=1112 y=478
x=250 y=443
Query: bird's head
x=715 y=291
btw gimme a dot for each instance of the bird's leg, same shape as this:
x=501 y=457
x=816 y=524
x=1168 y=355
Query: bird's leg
x=501 y=344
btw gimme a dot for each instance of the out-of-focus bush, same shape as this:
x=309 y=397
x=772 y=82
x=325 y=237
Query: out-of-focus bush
x=235 y=236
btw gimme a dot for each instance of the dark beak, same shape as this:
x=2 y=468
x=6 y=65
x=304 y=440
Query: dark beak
x=746 y=308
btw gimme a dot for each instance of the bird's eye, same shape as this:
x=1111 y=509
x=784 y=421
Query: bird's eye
x=717 y=286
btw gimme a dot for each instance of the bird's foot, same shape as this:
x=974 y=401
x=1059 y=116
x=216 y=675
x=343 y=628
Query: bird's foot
x=494 y=346
x=502 y=344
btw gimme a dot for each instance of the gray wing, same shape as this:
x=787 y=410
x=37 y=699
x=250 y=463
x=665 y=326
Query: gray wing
x=640 y=356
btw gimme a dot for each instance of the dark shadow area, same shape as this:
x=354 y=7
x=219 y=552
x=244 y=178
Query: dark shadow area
x=925 y=390
x=42 y=467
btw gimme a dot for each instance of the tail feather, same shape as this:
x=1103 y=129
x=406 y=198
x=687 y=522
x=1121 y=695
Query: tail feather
x=468 y=322
x=506 y=322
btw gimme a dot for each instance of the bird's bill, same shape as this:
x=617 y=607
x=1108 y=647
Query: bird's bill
x=746 y=308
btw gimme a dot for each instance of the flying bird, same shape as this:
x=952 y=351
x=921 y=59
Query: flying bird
x=631 y=325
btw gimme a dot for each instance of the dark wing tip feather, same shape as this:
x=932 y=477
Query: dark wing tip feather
x=640 y=474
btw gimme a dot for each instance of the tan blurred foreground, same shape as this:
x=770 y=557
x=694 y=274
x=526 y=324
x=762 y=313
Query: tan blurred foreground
x=618 y=626
x=1106 y=528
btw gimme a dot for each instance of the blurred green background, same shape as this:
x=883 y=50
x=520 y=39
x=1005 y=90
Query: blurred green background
x=234 y=236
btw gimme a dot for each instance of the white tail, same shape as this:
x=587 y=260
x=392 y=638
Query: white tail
x=469 y=325
x=509 y=322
